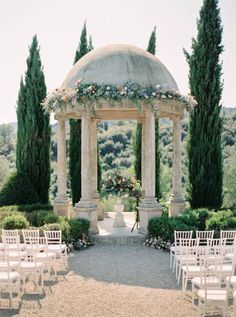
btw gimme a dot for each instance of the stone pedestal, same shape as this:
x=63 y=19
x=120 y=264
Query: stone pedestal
x=119 y=218
x=62 y=207
x=148 y=208
x=88 y=210
x=176 y=206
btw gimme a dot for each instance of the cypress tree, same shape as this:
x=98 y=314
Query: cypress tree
x=138 y=134
x=33 y=127
x=75 y=129
x=204 y=147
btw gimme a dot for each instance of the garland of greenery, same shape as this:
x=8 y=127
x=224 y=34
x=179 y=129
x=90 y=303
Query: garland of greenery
x=86 y=94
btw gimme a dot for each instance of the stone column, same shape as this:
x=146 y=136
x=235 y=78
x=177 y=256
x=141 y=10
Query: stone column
x=149 y=207
x=61 y=203
x=86 y=208
x=176 y=201
x=143 y=157
x=94 y=165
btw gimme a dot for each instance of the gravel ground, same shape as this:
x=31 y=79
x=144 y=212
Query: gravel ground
x=107 y=281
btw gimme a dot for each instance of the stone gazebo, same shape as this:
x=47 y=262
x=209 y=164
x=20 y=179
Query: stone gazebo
x=116 y=65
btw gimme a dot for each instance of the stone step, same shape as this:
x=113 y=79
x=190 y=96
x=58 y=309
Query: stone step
x=119 y=239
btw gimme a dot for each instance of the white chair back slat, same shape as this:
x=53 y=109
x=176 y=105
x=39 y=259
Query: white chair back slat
x=28 y=234
x=182 y=235
x=53 y=237
x=203 y=235
x=10 y=233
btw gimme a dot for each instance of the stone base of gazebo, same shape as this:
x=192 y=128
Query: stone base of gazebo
x=148 y=209
x=62 y=207
x=176 y=206
x=87 y=210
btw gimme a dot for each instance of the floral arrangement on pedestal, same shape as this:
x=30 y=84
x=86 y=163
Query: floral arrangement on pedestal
x=119 y=184
x=85 y=94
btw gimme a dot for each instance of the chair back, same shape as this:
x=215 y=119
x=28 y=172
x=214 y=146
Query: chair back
x=229 y=235
x=203 y=235
x=182 y=235
x=10 y=233
x=28 y=234
x=53 y=237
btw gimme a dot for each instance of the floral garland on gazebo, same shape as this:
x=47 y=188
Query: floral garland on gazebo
x=85 y=94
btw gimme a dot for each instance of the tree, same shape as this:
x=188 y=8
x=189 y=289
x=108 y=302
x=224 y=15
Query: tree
x=33 y=127
x=75 y=129
x=138 y=134
x=204 y=147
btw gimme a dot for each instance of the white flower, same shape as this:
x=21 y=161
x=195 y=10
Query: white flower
x=163 y=96
x=108 y=88
x=154 y=94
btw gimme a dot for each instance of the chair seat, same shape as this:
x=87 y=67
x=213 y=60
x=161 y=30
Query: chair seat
x=45 y=255
x=14 y=254
x=11 y=264
x=191 y=268
x=4 y=276
x=57 y=247
x=209 y=281
x=215 y=295
x=30 y=265
x=224 y=268
x=232 y=280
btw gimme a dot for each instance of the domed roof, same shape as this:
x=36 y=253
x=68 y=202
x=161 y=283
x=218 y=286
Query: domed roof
x=117 y=64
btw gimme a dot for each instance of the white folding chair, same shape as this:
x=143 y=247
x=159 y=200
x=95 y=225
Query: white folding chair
x=12 y=244
x=9 y=280
x=229 y=236
x=187 y=254
x=174 y=249
x=212 y=294
x=55 y=245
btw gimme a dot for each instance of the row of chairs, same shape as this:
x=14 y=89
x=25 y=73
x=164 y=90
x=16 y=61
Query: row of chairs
x=30 y=260
x=209 y=264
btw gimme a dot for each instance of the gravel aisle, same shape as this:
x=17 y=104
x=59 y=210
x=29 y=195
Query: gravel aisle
x=107 y=281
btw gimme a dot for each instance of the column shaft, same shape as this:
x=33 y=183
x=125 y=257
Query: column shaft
x=150 y=170
x=143 y=155
x=177 y=157
x=86 y=186
x=61 y=159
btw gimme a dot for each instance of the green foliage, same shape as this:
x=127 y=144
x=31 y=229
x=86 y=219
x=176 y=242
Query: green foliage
x=152 y=42
x=204 y=148
x=15 y=222
x=221 y=220
x=78 y=227
x=18 y=190
x=39 y=218
x=137 y=144
x=195 y=218
x=26 y=208
x=164 y=227
x=33 y=130
x=75 y=159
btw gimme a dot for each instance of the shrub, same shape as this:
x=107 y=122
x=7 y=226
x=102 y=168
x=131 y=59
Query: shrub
x=195 y=218
x=26 y=208
x=15 y=222
x=221 y=220
x=17 y=190
x=78 y=228
x=39 y=218
x=163 y=227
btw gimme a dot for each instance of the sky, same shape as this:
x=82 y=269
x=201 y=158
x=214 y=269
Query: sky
x=58 y=25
